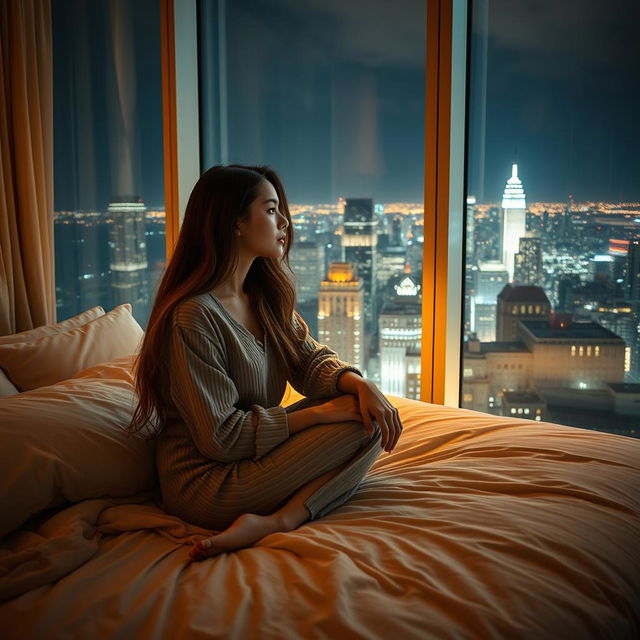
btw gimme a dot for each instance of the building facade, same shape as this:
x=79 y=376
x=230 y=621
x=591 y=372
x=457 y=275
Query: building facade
x=513 y=220
x=341 y=314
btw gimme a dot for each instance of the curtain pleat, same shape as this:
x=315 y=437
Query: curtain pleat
x=27 y=278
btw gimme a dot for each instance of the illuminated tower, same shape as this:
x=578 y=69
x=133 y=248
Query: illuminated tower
x=491 y=277
x=359 y=241
x=513 y=220
x=128 y=254
x=470 y=247
x=340 y=314
x=400 y=323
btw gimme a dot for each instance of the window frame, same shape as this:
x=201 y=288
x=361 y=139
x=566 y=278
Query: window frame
x=447 y=40
x=180 y=111
x=445 y=189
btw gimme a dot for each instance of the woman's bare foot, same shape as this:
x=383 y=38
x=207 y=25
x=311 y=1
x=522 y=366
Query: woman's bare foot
x=244 y=531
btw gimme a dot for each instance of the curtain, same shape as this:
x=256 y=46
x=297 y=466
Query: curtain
x=27 y=278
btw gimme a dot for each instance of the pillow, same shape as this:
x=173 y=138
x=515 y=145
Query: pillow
x=6 y=388
x=118 y=369
x=52 y=329
x=65 y=443
x=50 y=359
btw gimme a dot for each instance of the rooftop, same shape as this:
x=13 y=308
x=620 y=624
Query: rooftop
x=523 y=293
x=503 y=347
x=576 y=331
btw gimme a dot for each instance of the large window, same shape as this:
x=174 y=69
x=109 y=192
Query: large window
x=552 y=295
x=109 y=196
x=332 y=96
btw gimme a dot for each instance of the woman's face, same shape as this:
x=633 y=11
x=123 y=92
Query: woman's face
x=262 y=232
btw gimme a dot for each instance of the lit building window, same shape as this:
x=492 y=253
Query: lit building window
x=573 y=349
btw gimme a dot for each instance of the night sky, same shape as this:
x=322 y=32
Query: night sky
x=101 y=98
x=563 y=92
x=331 y=95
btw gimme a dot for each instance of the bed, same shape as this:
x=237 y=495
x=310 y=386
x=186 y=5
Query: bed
x=475 y=526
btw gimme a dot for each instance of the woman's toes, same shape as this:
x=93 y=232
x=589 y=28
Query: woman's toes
x=197 y=551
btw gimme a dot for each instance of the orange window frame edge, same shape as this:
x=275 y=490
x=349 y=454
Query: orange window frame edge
x=436 y=200
x=169 y=125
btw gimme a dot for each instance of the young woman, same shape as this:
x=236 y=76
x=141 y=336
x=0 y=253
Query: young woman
x=222 y=340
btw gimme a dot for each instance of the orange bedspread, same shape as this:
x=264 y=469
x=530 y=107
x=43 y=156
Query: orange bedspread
x=473 y=527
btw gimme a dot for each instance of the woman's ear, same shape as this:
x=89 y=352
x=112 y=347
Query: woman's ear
x=240 y=223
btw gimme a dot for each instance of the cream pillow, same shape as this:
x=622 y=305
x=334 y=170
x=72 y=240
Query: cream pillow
x=56 y=327
x=117 y=369
x=50 y=359
x=67 y=442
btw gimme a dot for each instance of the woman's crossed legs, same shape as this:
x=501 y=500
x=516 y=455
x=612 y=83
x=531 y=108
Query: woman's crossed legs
x=317 y=447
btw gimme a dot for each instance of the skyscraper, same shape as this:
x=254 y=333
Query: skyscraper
x=359 y=241
x=340 y=313
x=400 y=338
x=128 y=254
x=524 y=302
x=396 y=232
x=528 y=262
x=470 y=254
x=632 y=276
x=513 y=220
x=390 y=261
x=491 y=277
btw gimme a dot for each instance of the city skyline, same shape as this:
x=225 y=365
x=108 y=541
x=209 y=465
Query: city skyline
x=551 y=239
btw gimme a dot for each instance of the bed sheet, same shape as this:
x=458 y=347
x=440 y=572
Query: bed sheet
x=475 y=526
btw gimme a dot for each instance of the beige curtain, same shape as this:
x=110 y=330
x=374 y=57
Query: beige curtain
x=27 y=280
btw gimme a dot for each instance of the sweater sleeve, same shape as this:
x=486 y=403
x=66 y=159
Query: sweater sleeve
x=205 y=397
x=317 y=376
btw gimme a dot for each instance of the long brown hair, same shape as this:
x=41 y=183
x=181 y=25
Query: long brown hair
x=206 y=254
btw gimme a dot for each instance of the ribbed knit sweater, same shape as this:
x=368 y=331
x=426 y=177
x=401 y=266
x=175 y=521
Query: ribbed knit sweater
x=225 y=388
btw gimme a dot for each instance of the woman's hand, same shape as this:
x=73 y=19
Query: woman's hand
x=339 y=409
x=373 y=404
